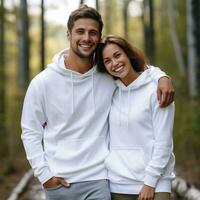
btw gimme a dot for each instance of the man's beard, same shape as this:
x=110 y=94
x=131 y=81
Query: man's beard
x=82 y=55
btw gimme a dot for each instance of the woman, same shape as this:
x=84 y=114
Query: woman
x=141 y=161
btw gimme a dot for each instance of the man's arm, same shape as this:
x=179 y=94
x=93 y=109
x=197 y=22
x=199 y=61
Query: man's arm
x=165 y=90
x=32 y=121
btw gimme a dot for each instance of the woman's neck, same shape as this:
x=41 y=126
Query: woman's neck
x=131 y=76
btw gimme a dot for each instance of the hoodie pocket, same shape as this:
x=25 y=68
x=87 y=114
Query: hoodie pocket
x=126 y=165
x=77 y=155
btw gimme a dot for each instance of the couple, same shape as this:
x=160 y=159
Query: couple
x=80 y=127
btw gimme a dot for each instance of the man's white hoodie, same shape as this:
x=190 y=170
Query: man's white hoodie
x=141 y=147
x=65 y=122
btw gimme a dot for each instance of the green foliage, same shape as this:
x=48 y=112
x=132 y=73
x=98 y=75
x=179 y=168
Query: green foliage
x=187 y=119
x=136 y=35
x=115 y=24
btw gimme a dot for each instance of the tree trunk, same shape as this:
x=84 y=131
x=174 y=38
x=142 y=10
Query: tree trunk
x=97 y=4
x=42 y=55
x=148 y=21
x=2 y=77
x=107 y=20
x=175 y=40
x=2 y=48
x=23 y=28
x=81 y=2
x=193 y=42
x=125 y=16
x=184 y=189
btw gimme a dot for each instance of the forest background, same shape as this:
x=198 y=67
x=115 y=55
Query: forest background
x=31 y=32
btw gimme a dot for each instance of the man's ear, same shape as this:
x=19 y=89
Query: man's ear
x=68 y=34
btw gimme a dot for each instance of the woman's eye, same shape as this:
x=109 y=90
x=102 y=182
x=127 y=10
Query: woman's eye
x=117 y=55
x=106 y=61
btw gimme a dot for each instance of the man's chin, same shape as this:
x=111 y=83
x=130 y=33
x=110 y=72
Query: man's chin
x=83 y=54
x=86 y=54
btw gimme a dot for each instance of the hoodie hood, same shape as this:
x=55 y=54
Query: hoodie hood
x=142 y=80
x=58 y=65
x=75 y=78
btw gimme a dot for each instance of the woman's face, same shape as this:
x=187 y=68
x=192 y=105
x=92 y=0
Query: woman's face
x=116 y=61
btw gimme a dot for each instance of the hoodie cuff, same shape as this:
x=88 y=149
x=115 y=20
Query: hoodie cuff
x=45 y=176
x=156 y=73
x=151 y=180
x=160 y=75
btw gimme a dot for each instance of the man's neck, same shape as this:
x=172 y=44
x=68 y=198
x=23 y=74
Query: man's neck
x=75 y=63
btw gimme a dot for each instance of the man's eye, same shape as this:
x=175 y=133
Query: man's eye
x=80 y=31
x=93 y=33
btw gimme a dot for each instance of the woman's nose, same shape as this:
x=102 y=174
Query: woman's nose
x=114 y=62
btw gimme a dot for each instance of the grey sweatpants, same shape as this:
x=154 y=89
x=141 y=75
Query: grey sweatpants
x=88 y=190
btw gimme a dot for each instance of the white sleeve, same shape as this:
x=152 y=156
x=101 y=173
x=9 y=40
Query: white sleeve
x=162 y=120
x=32 y=121
x=156 y=73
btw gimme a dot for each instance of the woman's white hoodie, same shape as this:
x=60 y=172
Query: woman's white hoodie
x=141 y=147
x=65 y=122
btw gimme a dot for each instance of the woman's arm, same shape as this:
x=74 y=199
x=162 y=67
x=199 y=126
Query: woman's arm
x=162 y=121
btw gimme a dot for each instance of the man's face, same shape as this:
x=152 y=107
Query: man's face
x=84 y=37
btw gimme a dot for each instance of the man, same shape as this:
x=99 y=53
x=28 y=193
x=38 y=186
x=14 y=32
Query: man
x=65 y=115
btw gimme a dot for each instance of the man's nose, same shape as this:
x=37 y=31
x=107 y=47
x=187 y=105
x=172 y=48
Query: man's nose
x=86 y=36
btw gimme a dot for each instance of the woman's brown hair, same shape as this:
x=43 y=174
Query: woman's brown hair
x=136 y=57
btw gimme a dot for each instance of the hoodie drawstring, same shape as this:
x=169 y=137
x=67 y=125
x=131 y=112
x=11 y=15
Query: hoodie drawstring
x=120 y=95
x=72 y=88
x=72 y=91
x=129 y=108
x=93 y=99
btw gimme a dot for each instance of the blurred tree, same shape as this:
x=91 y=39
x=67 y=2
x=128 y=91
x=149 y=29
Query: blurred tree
x=2 y=49
x=2 y=72
x=42 y=37
x=81 y=2
x=193 y=40
x=108 y=18
x=125 y=16
x=97 y=4
x=175 y=40
x=23 y=30
x=148 y=23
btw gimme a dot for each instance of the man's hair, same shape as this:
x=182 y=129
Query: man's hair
x=84 y=12
x=136 y=57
